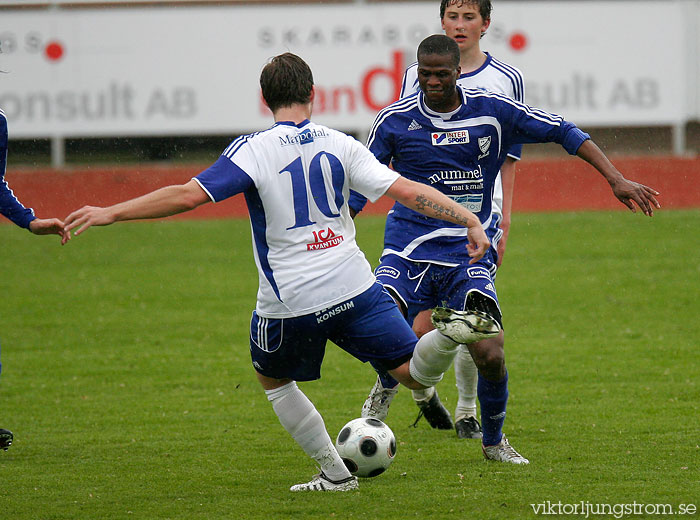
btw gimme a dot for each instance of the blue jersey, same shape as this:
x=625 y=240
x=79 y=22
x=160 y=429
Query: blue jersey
x=460 y=154
x=10 y=207
x=495 y=76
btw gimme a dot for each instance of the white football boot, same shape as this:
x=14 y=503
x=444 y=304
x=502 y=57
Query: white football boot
x=377 y=403
x=504 y=452
x=321 y=482
x=465 y=326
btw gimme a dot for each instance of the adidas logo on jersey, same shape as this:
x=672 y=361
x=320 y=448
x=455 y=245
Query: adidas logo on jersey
x=414 y=125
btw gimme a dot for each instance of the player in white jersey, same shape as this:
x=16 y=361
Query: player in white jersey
x=13 y=209
x=466 y=22
x=314 y=282
x=456 y=140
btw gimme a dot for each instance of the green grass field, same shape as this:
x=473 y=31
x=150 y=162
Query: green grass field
x=128 y=385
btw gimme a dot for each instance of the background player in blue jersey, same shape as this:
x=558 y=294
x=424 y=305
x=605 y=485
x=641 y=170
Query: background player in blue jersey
x=466 y=22
x=314 y=282
x=456 y=140
x=13 y=209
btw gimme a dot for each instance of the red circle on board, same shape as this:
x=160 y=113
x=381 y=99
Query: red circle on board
x=518 y=41
x=54 y=51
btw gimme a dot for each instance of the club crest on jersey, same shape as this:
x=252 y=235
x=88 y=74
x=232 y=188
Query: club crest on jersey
x=484 y=145
x=448 y=138
x=323 y=239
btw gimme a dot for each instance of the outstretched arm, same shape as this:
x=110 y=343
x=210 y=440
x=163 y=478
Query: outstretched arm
x=430 y=202
x=625 y=190
x=162 y=202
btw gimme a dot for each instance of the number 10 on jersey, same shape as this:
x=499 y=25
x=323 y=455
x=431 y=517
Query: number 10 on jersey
x=317 y=183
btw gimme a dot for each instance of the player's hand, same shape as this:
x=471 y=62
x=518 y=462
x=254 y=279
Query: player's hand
x=645 y=197
x=88 y=216
x=49 y=226
x=478 y=243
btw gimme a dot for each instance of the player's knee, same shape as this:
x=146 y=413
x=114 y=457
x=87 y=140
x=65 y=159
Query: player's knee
x=422 y=324
x=493 y=361
x=489 y=355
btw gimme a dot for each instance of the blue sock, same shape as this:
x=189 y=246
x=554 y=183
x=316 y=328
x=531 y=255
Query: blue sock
x=493 y=398
x=385 y=378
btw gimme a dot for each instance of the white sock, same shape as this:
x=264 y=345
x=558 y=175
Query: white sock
x=432 y=357
x=300 y=418
x=467 y=376
x=423 y=395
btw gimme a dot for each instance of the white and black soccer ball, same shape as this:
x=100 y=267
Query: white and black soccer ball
x=367 y=446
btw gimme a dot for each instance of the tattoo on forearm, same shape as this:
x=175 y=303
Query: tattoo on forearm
x=422 y=202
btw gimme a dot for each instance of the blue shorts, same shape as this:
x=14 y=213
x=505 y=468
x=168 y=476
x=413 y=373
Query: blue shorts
x=369 y=327
x=423 y=285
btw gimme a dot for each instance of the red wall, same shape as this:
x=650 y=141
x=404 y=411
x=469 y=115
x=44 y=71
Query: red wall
x=541 y=185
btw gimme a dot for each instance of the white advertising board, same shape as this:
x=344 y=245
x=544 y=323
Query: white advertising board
x=184 y=70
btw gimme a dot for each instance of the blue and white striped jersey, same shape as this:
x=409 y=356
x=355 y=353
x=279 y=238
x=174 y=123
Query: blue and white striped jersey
x=495 y=76
x=10 y=207
x=460 y=154
x=296 y=180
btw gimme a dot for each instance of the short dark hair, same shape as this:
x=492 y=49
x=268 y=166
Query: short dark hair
x=439 y=44
x=484 y=7
x=286 y=80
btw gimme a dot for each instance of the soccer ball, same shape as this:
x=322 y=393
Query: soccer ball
x=367 y=446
